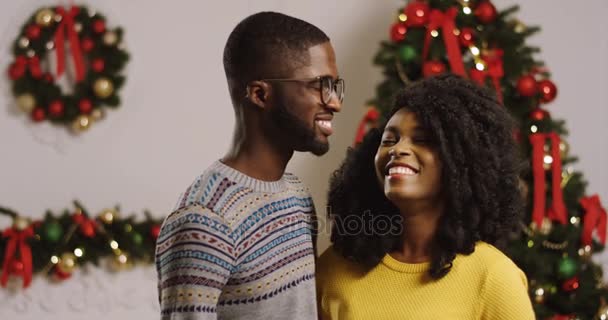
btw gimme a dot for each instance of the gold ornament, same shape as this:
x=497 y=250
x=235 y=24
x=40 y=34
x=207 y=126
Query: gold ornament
x=81 y=123
x=67 y=263
x=545 y=227
x=120 y=262
x=585 y=252
x=97 y=114
x=564 y=148
x=602 y=314
x=44 y=17
x=26 y=102
x=21 y=223
x=24 y=42
x=107 y=216
x=539 y=295
x=110 y=38
x=103 y=87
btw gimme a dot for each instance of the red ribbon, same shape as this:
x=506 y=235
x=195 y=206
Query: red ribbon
x=558 y=209
x=594 y=219
x=17 y=240
x=67 y=25
x=447 y=22
x=494 y=69
x=371 y=117
x=32 y=63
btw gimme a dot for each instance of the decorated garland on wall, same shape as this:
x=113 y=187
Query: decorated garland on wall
x=57 y=245
x=74 y=36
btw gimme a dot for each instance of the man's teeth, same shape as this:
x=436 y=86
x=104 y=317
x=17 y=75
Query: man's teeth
x=401 y=170
x=324 y=123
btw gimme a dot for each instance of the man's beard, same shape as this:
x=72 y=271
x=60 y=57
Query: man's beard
x=296 y=132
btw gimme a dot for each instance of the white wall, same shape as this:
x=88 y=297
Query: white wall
x=176 y=119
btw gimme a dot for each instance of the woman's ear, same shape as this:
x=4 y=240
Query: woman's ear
x=258 y=93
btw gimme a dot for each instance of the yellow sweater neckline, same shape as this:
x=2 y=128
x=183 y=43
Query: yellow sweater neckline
x=403 y=267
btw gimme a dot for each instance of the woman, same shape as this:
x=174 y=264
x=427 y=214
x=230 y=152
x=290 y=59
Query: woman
x=419 y=209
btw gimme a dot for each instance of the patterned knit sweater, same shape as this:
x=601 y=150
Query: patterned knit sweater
x=238 y=248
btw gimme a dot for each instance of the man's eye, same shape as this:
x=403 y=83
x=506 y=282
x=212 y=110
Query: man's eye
x=388 y=141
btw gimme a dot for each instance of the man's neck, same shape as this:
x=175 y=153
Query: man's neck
x=258 y=159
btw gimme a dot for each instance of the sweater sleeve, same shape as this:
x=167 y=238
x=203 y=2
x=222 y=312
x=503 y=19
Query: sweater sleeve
x=194 y=259
x=505 y=294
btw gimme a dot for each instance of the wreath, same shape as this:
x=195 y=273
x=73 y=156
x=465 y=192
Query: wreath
x=78 y=41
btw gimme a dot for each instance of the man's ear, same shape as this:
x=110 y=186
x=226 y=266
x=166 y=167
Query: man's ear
x=258 y=93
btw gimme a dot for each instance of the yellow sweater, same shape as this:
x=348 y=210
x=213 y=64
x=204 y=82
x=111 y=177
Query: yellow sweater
x=484 y=285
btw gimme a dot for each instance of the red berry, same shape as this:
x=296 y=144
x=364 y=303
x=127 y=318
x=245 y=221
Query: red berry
x=98 y=65
x=32 y=32
x=99 y=26
x=38 y=114
x=85 y=106
x=56 y=108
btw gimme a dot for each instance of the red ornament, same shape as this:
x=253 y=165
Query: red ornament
x=85 y=106
x=87 y=44
x=155 y=231
x=547 y=90
x=417 y=13
x=32 y=32
x=466 y=37
x=38 y=114
x=98 y=65
x=16 y=71
x=571 y=284
x=539 y=114
x=56 y=108
x=99 y=26
x=526 y=86
x=485 y=12
x=17 y=267
x=398 y=31
x=88 y=229
x=433 y=68
x=60 y=275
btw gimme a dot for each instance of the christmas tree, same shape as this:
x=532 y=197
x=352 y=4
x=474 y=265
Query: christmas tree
x=563 y=226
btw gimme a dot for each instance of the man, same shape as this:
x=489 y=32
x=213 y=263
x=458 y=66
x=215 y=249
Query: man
x=239 y=244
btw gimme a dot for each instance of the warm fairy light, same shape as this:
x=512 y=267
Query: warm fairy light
x=420 y=13
x=466 y=10
x=54 y=260
x=474 y=50
x=533 y=129
x=402 y=17
x=122 y=258
x=456 y=32
x=114 y=244
x=434 y=33
x=574 y=220
x=78 y=252
x=530 y=244
x=548 y=159
x=479 y=66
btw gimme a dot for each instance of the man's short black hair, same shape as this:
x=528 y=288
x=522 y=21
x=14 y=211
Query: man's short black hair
x=268 y=44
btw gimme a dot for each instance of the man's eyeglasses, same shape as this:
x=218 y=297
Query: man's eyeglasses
x=327 y=86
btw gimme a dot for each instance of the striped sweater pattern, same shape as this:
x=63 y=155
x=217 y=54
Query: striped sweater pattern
x=238 y=248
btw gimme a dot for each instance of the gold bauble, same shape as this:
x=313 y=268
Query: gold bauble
x=602 y=314
x=103 y=87
x=110 y=38
x=545 y=227
x=82 y=123
x=585 y=252
x=97 y=114
x=564 y=148
x=21 y=223
x=26 y=102
x=24 y=42
x=539 y=295
x=67 y=263
x=44 y=17
x=107 y=216
x=120 y=262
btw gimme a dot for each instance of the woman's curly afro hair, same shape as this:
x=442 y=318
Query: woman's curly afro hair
x=473 y=134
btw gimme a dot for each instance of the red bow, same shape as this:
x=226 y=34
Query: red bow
x=594 y=219
x=558 y=208
x=67 y=25
x=445 y=21
x=370 y=118
x=17 y=240
x=494 y=69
